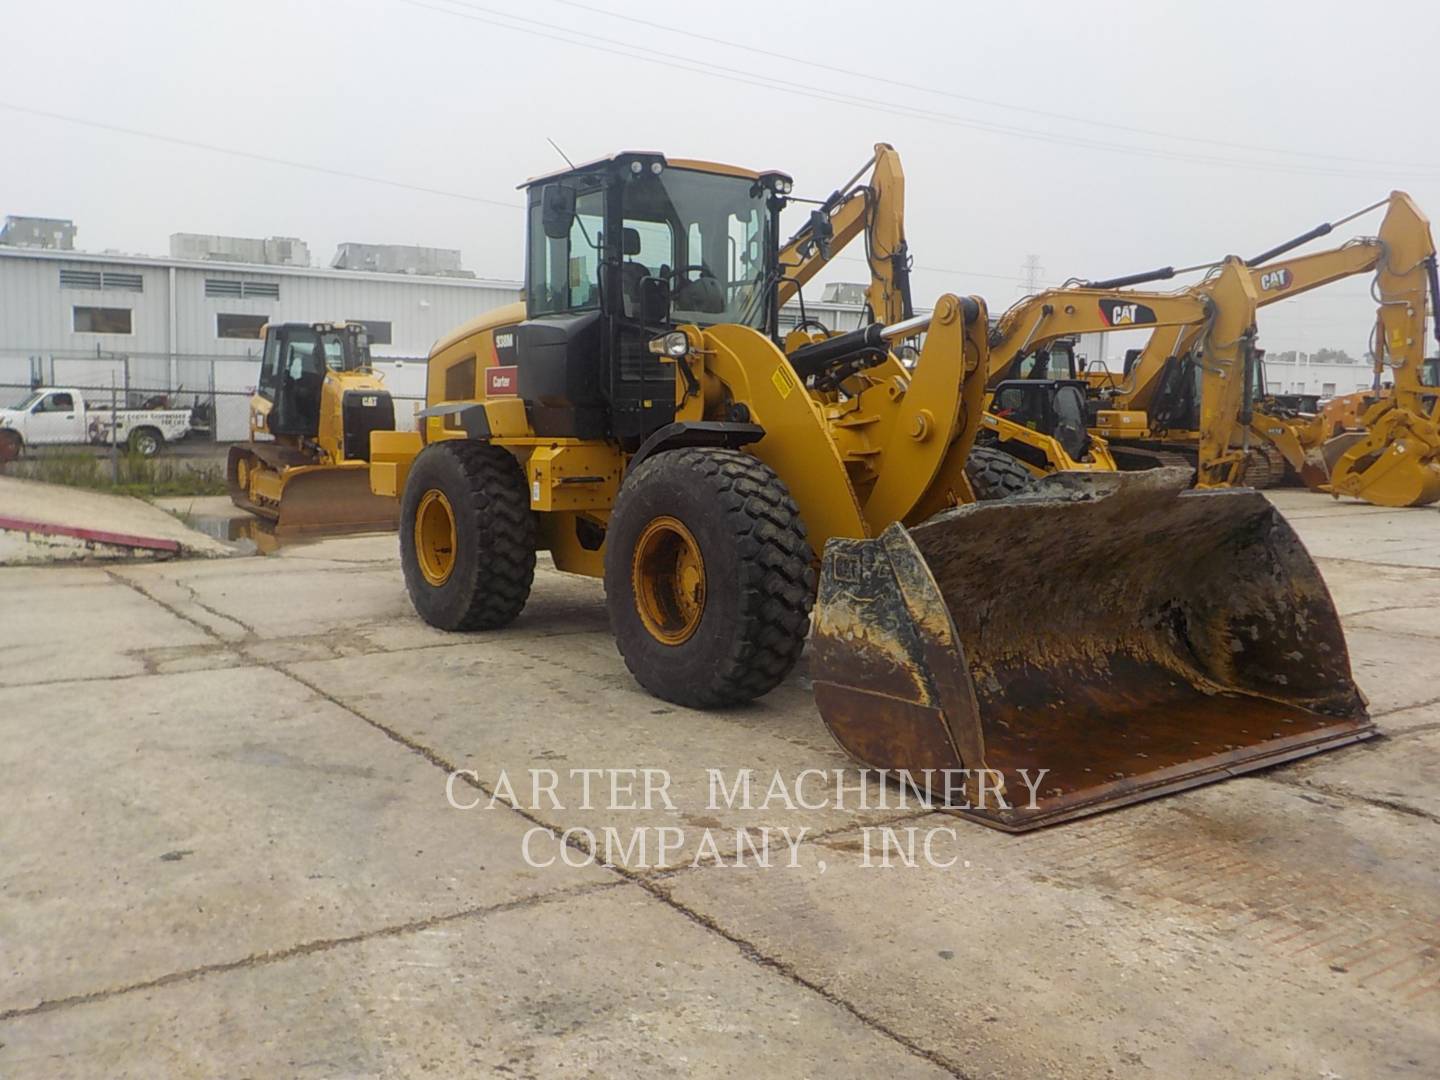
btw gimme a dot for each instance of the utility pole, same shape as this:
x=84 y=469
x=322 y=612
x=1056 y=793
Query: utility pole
x=1033 y=275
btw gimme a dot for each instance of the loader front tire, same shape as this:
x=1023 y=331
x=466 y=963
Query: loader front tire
x=994 y=474
x=708 y=577
x=467 y=536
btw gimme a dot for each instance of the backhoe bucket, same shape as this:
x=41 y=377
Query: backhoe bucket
x=1103 y=639
x=333 y=499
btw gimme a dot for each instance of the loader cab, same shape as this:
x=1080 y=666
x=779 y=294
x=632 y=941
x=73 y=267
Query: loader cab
x=296 y=360
x=620 y=252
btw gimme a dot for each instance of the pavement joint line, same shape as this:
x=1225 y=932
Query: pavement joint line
x=1384 y=565
x=171 y=608
x=308 y=948
x=1388 y=607
x=1405 y=708
x=758 y=956
x=747 y=949
x=1410 y=634
x=1352 y=796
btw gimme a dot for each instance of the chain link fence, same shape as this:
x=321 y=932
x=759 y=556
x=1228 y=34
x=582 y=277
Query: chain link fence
x=216 y=389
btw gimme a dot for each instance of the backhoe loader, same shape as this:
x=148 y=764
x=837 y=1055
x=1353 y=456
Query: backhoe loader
x=638 y=417
x=1394 y=460
x=317 y=400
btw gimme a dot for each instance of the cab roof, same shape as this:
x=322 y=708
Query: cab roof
x=622 y=160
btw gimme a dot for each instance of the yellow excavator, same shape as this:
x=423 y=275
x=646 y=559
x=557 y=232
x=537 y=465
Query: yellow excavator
x=1393 y=460
x=1031 y=438
x=316 y=403
x=638 y=417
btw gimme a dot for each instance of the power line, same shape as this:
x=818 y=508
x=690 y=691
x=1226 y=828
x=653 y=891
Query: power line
x=252 y=156
x=872 y=76
x=535 y=28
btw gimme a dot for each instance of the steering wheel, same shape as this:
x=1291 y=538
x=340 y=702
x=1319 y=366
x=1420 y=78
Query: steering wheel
x=701 y=268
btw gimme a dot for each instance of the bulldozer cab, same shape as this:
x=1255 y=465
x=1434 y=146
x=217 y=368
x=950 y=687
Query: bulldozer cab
x=1054 y=407
x=296 y=360
x=619 y=252
x=1045 y=391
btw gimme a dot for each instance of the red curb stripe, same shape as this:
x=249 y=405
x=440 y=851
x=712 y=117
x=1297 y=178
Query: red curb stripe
x=100 y=536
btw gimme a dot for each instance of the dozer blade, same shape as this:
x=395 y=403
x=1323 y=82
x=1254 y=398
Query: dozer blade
x=1124 y=636
x=333 y=499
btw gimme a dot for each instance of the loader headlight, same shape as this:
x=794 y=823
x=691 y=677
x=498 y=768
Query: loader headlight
x=674 y=345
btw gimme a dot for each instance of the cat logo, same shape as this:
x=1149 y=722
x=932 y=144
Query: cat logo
x=369 y=401
x=505 y=341
x=1276 y=280
x=1125 y=313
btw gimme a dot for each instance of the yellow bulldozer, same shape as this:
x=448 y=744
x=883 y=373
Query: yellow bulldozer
x=316 y=403
x=637 y=416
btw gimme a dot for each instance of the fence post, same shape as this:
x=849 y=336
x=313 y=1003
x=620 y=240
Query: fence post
x=114 y=434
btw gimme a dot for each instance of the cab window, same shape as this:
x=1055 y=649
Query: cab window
x=564 y=275
x=56 y=403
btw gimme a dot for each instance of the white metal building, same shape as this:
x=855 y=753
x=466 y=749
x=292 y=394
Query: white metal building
x=1325 y=379
x=162 y=325
x=158 y=323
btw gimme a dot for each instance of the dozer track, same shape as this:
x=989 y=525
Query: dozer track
x=1192 y=638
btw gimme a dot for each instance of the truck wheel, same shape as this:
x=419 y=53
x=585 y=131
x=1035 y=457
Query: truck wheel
x=10 y=446
x=994 y=474
x=708 y=577
x=467 y=536
x=145 y=441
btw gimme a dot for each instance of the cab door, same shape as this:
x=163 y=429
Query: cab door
x=55 y=418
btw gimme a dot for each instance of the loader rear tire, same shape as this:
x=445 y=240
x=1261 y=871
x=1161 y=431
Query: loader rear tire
x=994 y=474
x=708 y=577
x=467 y=536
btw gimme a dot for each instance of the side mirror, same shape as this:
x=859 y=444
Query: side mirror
x=823 y=230
x=557 y=210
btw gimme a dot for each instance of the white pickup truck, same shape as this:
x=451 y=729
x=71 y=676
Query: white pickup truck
x=58 y=415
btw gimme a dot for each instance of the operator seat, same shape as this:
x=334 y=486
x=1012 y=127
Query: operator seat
x=631 y=272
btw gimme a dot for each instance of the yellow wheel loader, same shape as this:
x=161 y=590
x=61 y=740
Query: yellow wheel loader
x=1394 y=457
x=638 y=418
x=318 y=401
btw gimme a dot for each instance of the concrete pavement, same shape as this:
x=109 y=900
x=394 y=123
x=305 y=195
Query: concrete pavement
x=228 y=850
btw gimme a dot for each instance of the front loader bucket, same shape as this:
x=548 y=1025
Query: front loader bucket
x=333 y=499
x=1124 y=636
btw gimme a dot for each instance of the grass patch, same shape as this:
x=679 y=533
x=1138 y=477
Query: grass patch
x=140 y=476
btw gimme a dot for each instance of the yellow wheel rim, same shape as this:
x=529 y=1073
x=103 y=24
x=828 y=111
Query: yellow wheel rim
x=668 y=578
x=435 y=537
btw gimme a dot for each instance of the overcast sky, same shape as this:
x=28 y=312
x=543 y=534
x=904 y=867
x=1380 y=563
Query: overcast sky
x=1102 y=137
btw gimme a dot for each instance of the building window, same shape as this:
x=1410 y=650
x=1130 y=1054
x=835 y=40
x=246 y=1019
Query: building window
x=240 y=326
x=242 y=290
x=379 y=331
x=1327 y=389
x=102 y=320
x=101 y=279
